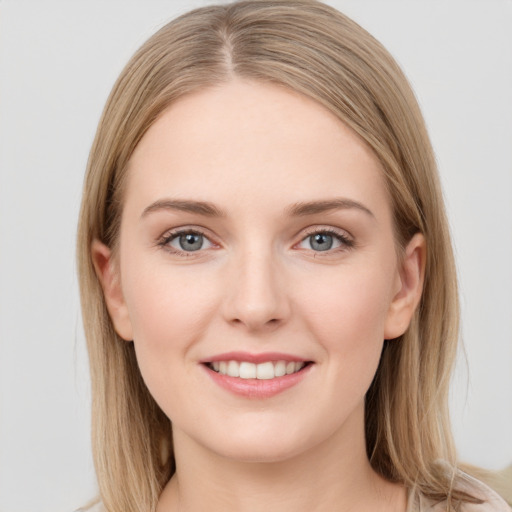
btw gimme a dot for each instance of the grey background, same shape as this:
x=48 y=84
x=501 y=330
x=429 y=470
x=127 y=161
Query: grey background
x=58 y=61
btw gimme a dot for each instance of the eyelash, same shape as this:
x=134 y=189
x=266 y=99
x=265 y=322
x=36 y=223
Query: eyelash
x=346 y=242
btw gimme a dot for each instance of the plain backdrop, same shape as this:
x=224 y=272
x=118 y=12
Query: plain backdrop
x=58 y=61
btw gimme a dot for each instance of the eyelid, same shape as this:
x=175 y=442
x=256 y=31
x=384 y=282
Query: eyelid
x=171 y=234
x=311 y=230
x=344 y=237
x=346 y=240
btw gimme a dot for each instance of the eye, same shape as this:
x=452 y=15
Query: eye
x=325 y=240
x=186 y=241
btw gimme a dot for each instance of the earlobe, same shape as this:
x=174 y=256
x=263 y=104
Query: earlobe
x=410 y=288
x=108 y=276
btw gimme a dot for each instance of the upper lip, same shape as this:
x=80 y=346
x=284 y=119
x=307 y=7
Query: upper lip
x=254 y=358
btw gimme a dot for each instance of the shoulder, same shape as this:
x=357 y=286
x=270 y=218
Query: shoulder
x=95 y=506
x=491 y=501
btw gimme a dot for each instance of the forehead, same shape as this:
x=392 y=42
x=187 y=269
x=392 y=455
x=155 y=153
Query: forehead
x=252 y=143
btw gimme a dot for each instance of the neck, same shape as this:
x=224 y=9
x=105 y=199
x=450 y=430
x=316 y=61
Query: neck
x=334 y=475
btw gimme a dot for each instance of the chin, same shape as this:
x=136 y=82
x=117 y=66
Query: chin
x=259 y=453
x=265 y=442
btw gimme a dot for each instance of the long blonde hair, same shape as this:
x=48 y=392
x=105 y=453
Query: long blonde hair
x=311 y=48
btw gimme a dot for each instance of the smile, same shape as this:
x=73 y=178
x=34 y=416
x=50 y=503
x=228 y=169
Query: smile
x=262 y=371
x=257 y=376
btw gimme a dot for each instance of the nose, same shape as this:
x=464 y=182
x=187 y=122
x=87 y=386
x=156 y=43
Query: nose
x=256 y=295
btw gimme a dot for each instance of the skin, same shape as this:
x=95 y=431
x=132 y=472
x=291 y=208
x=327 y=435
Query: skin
x=258 y=285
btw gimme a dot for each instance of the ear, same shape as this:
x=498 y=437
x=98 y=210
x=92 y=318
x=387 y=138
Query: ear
x=410 y=279
x=108 y=274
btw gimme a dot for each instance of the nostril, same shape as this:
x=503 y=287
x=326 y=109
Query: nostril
x=255 y=324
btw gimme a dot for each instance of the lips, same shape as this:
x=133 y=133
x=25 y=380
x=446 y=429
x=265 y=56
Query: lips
x=261 y=371
x=257 y=375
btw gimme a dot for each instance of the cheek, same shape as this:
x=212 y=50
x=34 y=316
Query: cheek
x=349 y=305
x=347 y=314
x=167 y=304
x=170 y=310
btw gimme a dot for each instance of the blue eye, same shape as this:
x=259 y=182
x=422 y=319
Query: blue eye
x=187 y=241
x=325 y=240
x=190 y=242
x=321 y=241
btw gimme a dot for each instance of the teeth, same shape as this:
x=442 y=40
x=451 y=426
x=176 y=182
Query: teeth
x=265 y=371
x=262 y=371
x=247 y=370
x=280 y=369
x=233 y=369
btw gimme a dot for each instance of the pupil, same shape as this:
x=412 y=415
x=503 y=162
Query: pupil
x=321 y=242
x=191 y=242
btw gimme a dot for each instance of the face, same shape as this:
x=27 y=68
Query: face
x=257 y=272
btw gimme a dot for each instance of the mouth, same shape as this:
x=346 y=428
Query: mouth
x=258 y=376
x=261 y=371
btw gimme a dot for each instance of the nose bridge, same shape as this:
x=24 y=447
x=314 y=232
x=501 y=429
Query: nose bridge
x=256 y=296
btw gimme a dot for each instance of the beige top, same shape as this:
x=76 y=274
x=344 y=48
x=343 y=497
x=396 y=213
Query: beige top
x=492 y=501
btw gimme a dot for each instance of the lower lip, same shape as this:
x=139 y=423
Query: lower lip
x=258 y=388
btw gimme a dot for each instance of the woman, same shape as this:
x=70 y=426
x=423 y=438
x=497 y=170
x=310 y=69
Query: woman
x=267 y=279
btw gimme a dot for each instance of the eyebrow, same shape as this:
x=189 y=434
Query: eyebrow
x=300 y=209
x=185 y=205
x=338 y=203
